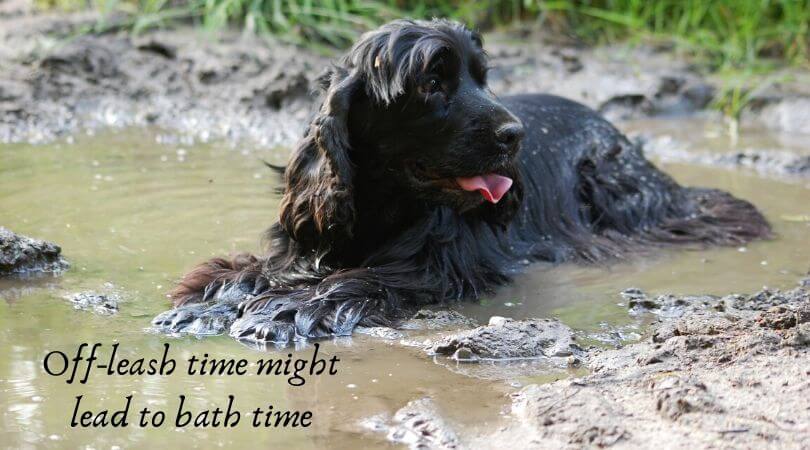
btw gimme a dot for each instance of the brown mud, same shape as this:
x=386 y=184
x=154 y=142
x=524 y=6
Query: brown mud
x=711 y=372
x=57 y=80
x=22 y=255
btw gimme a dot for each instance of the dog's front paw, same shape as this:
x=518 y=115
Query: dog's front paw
x=282 y=317
x=197 y=319
x=262 y=328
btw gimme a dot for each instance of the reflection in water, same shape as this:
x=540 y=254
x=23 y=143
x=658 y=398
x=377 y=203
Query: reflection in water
x=138 y=214
x=24 y=400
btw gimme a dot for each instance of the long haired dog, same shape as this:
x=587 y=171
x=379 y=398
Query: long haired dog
x=414 y=184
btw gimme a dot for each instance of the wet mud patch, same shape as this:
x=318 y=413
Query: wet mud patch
x=233 y=87
x=775 y=163
x=726 y=371
x=619 y=82
x=419 y=425
x=505 y=349
x=241 y=88
x=710 y=371
x=506 y=339
x=25 y=256
x=104 y=301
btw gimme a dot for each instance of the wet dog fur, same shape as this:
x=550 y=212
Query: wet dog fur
x=373 y=226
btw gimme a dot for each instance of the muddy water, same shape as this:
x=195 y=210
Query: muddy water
x=136 y=213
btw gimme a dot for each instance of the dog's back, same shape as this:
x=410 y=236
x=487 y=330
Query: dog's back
x=610 y=198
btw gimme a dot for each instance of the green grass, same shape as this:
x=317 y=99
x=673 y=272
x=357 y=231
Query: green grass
x=725 y=33
x=721 y=33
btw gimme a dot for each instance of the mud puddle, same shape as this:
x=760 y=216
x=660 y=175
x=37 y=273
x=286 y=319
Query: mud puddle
x=135 y=213
x=715 y=143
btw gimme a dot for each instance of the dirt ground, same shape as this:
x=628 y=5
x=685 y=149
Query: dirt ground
x=730 y=372
x=56 y=80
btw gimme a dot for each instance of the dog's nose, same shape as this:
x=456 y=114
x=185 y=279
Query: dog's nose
x=509 y=135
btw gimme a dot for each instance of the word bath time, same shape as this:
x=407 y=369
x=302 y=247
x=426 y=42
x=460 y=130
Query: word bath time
x=185 y=417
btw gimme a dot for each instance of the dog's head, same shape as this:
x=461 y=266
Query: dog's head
x=409 y=111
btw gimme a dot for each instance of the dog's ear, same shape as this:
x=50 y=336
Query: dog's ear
x=317 y=208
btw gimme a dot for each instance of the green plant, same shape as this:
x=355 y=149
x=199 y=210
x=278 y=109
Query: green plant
x=739 y=87
x=315 y=23
x=726 y=33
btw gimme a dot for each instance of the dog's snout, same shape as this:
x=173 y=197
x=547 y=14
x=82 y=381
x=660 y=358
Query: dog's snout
x=509 y=135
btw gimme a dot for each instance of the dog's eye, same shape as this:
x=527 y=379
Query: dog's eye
x=432 y=85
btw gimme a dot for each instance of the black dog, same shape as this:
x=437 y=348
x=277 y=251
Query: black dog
x=408 y=189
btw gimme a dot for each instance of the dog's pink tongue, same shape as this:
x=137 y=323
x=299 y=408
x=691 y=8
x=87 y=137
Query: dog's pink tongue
x=492 y=186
